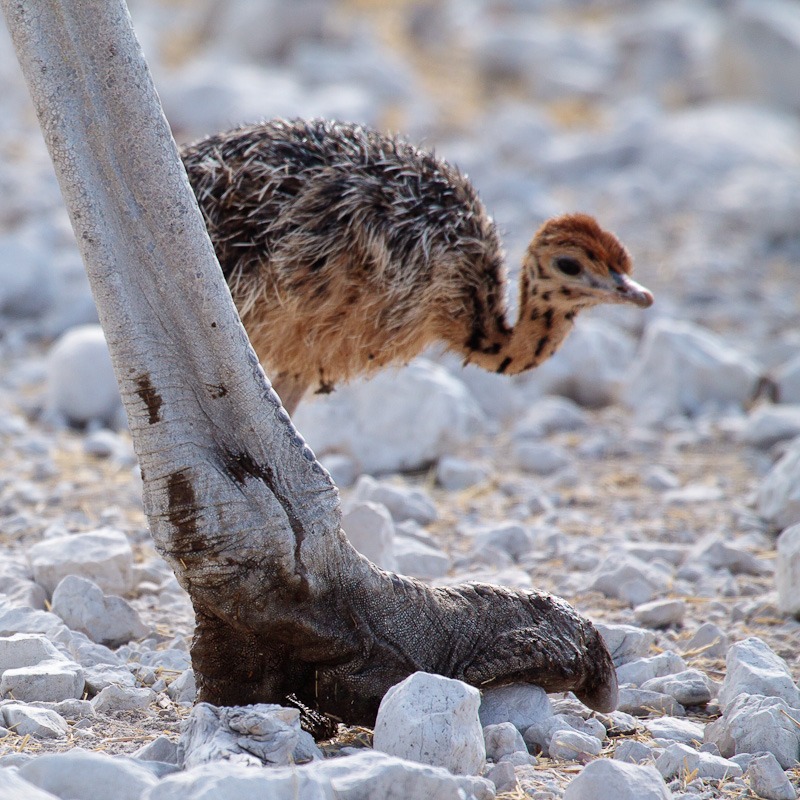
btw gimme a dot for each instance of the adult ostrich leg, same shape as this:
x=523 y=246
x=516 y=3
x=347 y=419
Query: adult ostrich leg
x=235 y=500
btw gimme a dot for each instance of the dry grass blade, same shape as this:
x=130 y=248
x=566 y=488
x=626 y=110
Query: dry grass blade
x=787 y=714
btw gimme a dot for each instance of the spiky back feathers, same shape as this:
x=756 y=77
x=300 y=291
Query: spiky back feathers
x=343 y=225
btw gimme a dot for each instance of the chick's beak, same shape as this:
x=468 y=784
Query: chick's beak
x=628 y=291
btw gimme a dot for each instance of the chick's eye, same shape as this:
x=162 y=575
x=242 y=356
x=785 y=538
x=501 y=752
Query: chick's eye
x=568 y=266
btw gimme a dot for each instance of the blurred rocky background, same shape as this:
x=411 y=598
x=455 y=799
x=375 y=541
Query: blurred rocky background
x=643 y=472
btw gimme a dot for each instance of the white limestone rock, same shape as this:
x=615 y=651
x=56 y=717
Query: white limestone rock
x=540 y=458
x=768 y=780
x=242 y=31
x=540 y=736
x=26 y=649
x=504 y=777
x=105 y=619
x=183 y=689
x=572 y=745
x=342 y=469
x=710 y=142
x=89 y=776
x=660 y=613
x=103 y=556
x=513 y=538
x=753 y=668
x=498 y=397
x=370 y=529
x=548 y=61
x=644 y=669
x=404 y=502
x=787 y=571
x=362 y=62
x=306 y=749
x=14 y=787
x=675 y=730
x=502 y=739
x=520 y=759
x=100 y=676
x=550 y=415
x=778 y=498
x=679 y=760
x=709 y=640
x=90 y=654
x=105 y=443
x=626 y=643
x=787 y=376
x=34 y=669
x=642 y=703
x=719 y=554
x=207 y=93
x=767 y=425
x=633 y=751
x=693 y=494
x=455 y=474
x=757 y=724
x=70 y=709
x=782 y=350
x=395 y=421
x=689 y=688
x=373 y=775
x=40 y=722
x=170 y=658
x=757 y=51
x=80 y=379
x=123 y=698
x=223 y=780
x=27 y=620
x=607 y=779
x=21 y=592
x=160 y=749
x=16 y=582
x=420 y=560
x=621 y=724
x=433 y=720
x=628 y=579
x=49 y=680
x=660 y=478
x=521 y=704
x=685 y=369
x=251 y=735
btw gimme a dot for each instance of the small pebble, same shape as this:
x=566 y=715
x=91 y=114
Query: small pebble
x=501 y=740
x=768 y=780
x=571 y=745
x=608 y=779
x=660 y=613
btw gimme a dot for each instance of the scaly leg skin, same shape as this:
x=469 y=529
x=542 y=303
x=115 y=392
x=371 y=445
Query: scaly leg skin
x=340 y=653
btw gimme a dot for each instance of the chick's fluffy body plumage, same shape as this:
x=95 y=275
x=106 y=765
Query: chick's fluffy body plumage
x=346 y=250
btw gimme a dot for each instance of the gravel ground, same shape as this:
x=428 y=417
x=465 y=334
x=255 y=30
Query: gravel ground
x=677 y=128
x=601 y=502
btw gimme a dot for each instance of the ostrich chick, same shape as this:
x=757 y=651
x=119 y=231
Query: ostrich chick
x=346 y=250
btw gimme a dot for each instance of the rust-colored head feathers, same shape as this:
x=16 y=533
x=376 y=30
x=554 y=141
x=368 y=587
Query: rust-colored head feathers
x=581 y=231
x=584 y=263
x=347 y=250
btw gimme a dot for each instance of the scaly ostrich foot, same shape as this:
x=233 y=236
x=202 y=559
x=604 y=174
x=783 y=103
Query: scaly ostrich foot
x=341 y=651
